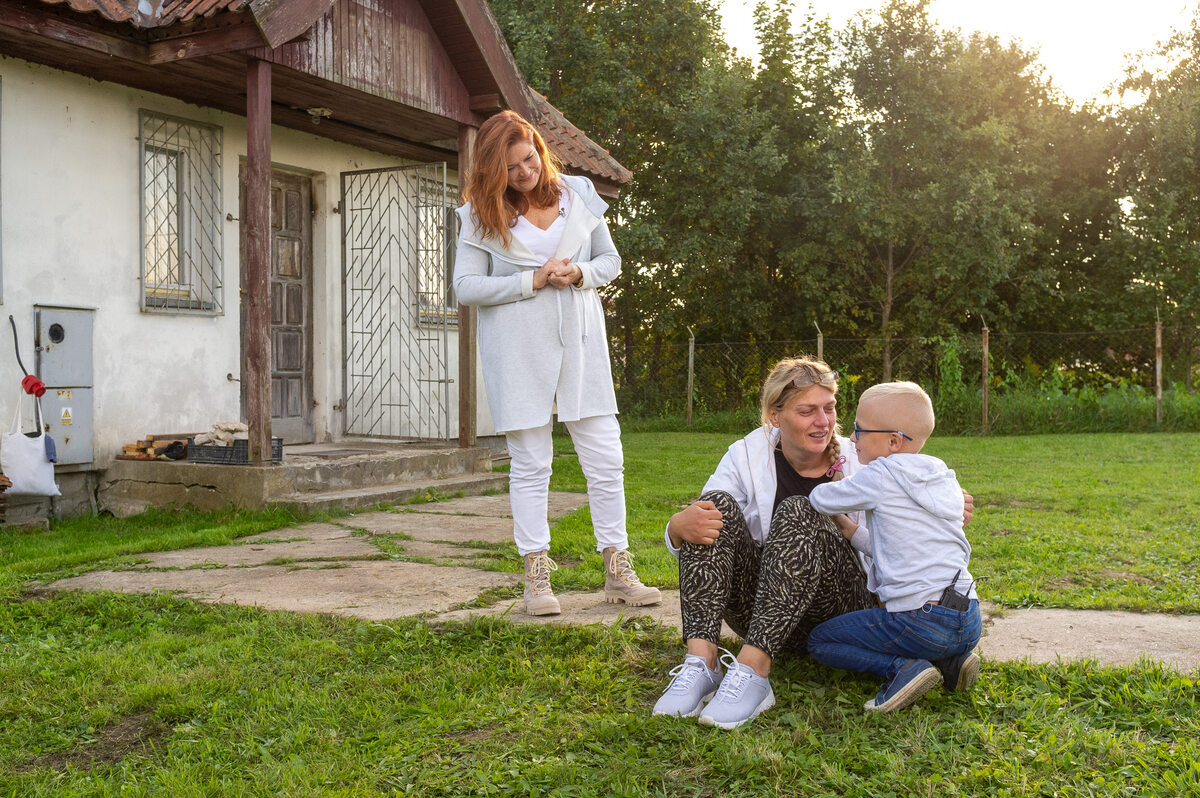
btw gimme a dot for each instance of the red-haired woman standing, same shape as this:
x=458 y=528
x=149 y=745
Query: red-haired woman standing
x=532 y=249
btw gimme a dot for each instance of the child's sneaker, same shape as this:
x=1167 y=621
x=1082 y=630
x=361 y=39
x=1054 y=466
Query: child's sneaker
x=959 y=673
x=914 y=679
x=694 y=683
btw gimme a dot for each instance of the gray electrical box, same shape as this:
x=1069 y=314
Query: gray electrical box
x=64 y=363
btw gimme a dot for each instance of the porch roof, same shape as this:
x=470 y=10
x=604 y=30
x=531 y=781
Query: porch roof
x=343 y=65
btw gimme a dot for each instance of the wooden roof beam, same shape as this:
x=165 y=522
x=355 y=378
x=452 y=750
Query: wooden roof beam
x=245 y=36
x=62 y=30
x=486 y=103
x=280 y=21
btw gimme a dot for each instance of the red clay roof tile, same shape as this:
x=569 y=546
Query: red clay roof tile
x=573 y=146
x=152 y=13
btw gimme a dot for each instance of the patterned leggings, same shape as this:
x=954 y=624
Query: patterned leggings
x=772 y=596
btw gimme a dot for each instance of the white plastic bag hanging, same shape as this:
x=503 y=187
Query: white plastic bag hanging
x=24 y=459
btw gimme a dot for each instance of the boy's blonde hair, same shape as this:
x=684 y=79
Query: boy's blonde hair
x=904 y=405
x=778 y=390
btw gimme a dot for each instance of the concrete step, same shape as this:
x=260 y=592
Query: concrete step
x=360 y=497
x=349 y=474
x=301 y=473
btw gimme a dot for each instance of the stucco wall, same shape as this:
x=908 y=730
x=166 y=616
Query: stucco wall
x=69 y=196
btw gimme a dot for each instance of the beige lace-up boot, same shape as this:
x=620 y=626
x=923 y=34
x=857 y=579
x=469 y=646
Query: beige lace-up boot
x=539 y=598
x=621 y=584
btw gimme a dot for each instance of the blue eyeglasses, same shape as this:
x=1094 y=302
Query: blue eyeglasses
x=860 y=431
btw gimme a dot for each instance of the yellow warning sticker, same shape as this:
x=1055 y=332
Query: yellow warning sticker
x=66 y=417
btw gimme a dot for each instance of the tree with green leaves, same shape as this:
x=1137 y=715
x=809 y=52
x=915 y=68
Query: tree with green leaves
x=935 y=215
x=1160 y=172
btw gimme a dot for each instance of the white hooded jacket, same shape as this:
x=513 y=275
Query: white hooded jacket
x=914 y=508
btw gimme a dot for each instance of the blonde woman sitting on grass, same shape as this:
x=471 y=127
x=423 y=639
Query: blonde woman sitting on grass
x=755 y=554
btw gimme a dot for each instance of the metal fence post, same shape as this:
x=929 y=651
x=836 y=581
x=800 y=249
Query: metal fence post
x=1157 y=368
x=986 y=380
x=820 y=343
x=691 y=372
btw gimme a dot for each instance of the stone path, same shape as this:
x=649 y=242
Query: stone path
x=419 y=560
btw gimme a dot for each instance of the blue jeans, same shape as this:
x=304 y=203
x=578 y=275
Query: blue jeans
x=880 y=642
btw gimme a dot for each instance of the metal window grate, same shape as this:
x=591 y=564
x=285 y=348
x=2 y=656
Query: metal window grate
x=182 y=230
x=394 y=250
x=436 y=227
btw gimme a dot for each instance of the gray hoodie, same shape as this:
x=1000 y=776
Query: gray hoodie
x=914 y=511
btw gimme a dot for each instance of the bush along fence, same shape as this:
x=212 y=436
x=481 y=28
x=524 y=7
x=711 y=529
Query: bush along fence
x=991 y=382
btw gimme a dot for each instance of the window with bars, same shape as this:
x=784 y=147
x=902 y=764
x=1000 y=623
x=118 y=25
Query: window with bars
x=436 y=235
x=181 y=225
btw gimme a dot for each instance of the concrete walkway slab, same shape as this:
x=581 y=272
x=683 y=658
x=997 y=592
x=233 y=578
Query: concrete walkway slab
x=336 y=543
x=442 y=553
x=314 y=531
x=370 y=590
x=497 y=505
x=1111 y=638
x=436 y=527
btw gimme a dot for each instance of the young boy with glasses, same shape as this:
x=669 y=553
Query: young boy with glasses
x=928 y=629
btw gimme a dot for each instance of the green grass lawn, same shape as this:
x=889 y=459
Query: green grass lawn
x=104 y=694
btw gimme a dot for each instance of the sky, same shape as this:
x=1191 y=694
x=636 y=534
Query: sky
x=1082 y=43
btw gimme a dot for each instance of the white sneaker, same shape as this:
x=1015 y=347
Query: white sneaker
x=743 y=694
x=694 y=683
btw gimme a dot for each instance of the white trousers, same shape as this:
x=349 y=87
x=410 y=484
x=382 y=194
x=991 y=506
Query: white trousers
x=598 y=444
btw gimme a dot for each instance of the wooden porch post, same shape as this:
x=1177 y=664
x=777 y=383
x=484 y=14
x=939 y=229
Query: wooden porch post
x=467 y=388
x=258 y=259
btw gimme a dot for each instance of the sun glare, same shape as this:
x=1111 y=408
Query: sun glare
x=1084 y=45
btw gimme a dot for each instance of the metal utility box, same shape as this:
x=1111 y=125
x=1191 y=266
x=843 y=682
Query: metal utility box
x=64 y=362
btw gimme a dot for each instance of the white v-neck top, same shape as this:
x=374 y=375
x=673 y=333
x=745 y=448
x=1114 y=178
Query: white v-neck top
x=544 y=243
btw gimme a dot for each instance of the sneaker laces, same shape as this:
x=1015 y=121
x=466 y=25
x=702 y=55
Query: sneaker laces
x=686 y=675
x=620 y=565
x=737 y=676
x=537 y=571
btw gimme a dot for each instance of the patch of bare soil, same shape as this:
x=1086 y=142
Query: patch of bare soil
x=1126 y=576
x=136 y=735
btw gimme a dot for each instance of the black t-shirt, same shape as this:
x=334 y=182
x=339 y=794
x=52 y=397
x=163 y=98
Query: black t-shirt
x=789 y=483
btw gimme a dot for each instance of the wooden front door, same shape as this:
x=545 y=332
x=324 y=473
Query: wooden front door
x=291 y=306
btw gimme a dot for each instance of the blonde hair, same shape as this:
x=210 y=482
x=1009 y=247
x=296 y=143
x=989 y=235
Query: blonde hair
x=906 y=405
x=778 y=390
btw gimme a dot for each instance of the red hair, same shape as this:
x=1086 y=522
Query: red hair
x=494 y=206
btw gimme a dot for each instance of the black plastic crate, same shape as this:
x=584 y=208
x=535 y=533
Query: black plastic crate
x=237 y=454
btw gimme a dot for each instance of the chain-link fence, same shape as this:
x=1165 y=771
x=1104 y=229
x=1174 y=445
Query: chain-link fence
x=653 y=380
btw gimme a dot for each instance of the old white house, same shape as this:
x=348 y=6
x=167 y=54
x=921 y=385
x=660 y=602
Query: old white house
x=138 y=141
